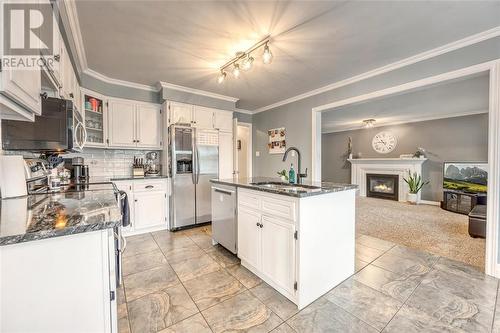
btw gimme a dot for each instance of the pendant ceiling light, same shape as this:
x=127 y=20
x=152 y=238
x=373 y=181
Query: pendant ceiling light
x=244 y=60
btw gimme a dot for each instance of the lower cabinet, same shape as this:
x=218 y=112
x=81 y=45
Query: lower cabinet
x=148 y=204
x=267 y=243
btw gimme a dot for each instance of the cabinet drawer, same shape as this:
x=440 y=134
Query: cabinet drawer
x=249 y=200
x=145 y=186
x=280 y=208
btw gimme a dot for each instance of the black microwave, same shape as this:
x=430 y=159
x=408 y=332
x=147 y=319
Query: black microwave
x=52 y=131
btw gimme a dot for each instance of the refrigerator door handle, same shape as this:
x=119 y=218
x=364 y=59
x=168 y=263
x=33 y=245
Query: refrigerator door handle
x=194 y=158
x=197 y=165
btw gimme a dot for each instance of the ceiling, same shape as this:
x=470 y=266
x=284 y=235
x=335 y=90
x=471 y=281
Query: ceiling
x=314 y=43
x=451 y=99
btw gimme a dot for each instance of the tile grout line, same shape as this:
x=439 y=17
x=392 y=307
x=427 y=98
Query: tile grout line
x=187 y=292
x=494 y=309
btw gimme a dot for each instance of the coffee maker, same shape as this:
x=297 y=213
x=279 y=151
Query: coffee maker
x=152 y=166
x=79 y=170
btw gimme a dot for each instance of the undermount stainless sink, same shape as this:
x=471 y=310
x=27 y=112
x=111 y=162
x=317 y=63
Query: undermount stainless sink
x=286 y=187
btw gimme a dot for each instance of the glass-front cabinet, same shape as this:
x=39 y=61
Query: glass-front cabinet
x=94 y=106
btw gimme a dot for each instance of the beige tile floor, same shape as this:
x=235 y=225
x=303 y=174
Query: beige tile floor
x=179 y=282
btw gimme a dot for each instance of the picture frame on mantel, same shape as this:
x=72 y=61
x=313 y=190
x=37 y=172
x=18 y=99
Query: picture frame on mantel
x=277 y=140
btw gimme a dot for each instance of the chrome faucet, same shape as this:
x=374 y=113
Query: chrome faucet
x=299 y=175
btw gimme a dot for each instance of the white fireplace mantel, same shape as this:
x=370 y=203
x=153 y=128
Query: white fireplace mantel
x=390 y=166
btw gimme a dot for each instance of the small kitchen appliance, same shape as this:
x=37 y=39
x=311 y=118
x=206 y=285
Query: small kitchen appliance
x=152 y=165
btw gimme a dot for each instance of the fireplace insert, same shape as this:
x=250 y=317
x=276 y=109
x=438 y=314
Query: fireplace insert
x=382 y=186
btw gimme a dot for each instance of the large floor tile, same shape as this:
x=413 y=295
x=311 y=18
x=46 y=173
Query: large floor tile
x=139 y=244
x=120 y=295
x=222 y=256
x=160 y=309
x=142 y=262
x=247 y=278
x=400 y=265
x=244 y=313
x=410 y=320
x=177 y=254
x=423 y=258
x=360 y=264
x=496 y=319
x=397 y=286
x=140 y=284
x=194 y=267
x=461 y=269
x=375 y=243
x=278 y=303
x=203 y=240
x=193 y=324
x=455 y=301
x=366 y=253
x=167 y=240
x=123 y=325
x=324 y=316
x=370 y=305
x=213 y=288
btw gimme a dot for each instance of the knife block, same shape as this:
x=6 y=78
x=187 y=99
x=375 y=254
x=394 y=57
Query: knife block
x=137 y=171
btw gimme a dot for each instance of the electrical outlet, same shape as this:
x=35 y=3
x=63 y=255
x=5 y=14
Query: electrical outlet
x=257 y=153
x=293 y=153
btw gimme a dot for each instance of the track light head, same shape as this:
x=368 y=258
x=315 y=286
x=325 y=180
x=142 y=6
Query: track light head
x=221 y=77
x=246 y=65
x=236 y=71
x=267 y=56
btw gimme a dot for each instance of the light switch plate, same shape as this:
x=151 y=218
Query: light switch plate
x=257 y=153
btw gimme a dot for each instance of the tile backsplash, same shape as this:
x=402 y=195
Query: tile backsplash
x=103 y=162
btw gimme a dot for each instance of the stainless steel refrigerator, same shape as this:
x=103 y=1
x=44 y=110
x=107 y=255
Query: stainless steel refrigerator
x=193 y=161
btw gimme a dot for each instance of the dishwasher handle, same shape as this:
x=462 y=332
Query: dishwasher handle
x=223 y=191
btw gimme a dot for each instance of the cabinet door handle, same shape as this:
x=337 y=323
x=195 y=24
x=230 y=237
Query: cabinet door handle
x=258 y=224
x=149 y=186
x=135 y=200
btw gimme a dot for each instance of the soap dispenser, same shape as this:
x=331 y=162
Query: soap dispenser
x=291 y=175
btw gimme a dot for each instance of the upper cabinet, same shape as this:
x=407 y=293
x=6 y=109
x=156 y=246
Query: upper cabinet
x=180 y=113
x=204 y=117
x=223 y=120
x=94 y=106
x=134 y=124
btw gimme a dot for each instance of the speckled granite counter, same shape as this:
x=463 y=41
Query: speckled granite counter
x=310 y=188
x=43 y=216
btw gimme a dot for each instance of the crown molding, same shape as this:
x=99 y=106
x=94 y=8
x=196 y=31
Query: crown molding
x=408 y=121
x=107 y=79
x=76 y=35
x=461 y=43
x=243 y=111
x=172 y=86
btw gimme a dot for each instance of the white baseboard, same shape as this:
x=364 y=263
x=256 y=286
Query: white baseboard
x=428 y=202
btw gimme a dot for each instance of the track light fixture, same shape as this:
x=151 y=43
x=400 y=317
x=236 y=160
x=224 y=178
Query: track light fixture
x=244 y=60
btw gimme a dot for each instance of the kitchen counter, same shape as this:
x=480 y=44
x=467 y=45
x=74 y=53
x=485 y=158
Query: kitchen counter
x=48 y=215
x=118 y=178
x=311 y=189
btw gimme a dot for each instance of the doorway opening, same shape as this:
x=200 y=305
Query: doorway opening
x=243 y=150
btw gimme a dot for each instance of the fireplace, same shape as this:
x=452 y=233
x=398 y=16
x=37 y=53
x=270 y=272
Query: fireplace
x=382 y=186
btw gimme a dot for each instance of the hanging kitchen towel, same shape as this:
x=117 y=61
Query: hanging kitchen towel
x=125 y=209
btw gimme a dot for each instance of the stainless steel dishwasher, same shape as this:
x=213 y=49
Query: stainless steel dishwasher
x=224 y=217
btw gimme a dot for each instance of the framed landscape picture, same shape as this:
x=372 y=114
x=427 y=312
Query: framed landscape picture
x=277 y=140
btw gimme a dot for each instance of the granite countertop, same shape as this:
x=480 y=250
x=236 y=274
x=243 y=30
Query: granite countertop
x=41 y=216
x=310 y=188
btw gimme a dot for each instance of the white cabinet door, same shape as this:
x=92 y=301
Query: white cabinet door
x=148 y=126
x=278 y=251
x=249 y=237
x=224 y=120
x=225 y=155
x=180 y=113
x=150 y=208
x=204 y=117
x=121 y=123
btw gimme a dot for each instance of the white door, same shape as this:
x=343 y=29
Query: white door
x=204 y=117
x=278 y=251
x=224 y=120
x=225 y=155
x=180 y=113
x=149 y=209
x=121 y=123
x=148 y=126
x=249 y=237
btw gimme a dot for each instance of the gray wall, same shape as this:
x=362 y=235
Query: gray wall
x=450 y=139
x=296 y=116
x=185 y=97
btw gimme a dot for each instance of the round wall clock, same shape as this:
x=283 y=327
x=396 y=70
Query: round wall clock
x=384 y=142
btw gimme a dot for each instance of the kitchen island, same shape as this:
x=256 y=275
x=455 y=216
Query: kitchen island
x=57 y=262
x=300 y=239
